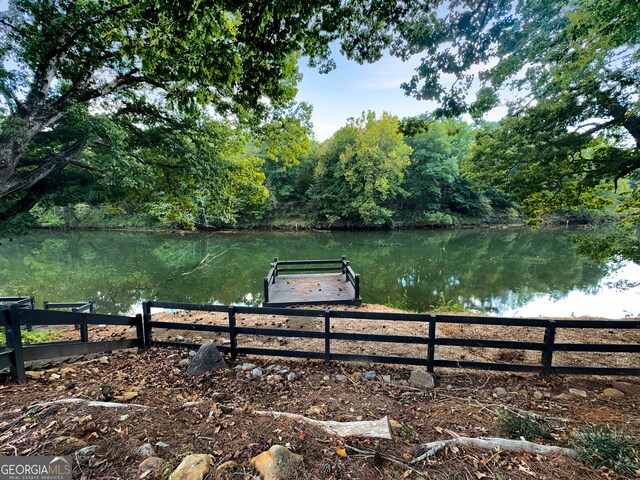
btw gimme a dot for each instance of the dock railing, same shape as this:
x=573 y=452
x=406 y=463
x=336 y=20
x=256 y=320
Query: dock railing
x=341 y=265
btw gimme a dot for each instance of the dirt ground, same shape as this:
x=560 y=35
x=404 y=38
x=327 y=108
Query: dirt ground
x=212 y=413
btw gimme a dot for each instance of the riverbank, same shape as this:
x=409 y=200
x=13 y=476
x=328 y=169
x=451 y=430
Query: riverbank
x=177 y=414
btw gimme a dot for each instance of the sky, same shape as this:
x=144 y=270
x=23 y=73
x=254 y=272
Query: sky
x=351 y=89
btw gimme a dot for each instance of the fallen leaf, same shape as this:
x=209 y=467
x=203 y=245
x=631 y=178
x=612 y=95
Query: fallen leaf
x=480 y=475
x=341 y=452
x=439 y=429
x=406 y=456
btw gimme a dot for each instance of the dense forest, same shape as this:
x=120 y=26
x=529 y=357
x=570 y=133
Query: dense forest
x=183 y=115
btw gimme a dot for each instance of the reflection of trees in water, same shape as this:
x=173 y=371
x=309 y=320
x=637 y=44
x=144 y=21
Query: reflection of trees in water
x=418 y=268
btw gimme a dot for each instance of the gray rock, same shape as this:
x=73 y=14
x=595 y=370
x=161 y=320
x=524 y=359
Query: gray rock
x=162 y=445
x=291 y=377
x=341 y=378
x=613 y=393
x=578 y=393
x=145 y=450
x=386 y=378
x=246 y=366
x=256 y=372
x=500 y=392
x=207 y=359
x=184 y=362
x=192 y=353
x=85 y=453
x=151 y=464
x=370 y=375
x=274 y=368
x=422 y=379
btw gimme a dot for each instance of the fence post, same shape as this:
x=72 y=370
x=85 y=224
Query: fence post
x=266 y=289
x=344 y=264
x=547 y=353
x=84 y=329
x=146 y=320
x=14 y=342
x=327 y=337
x=140 y=331
x=233 y=342
x=431 y=346
x=357 y=287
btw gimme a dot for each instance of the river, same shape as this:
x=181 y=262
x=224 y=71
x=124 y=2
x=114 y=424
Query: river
x=506 y=272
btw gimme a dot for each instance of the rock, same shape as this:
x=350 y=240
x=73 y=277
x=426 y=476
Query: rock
x=228 y=470
x=179 y=338
x=278 y=463
x=34 y=375
x=184 y=362
x=256 y=372
x=500 y=392
x=152 y=464
x=192 y=353
x=396 y=426
x=145 y=450
x=69 y=444
x=356 y=376
x=274 y=368
x=207 y=359
x=162 y=445
x=275 y=378
x=613 y=393
x=246 y=366
x=67 y=371
x=422 y=379
x=193 y=467
x=627 y=387
x=578 y=393
x=291 y=376
x=370 y=375
x=537 y=395
x=103 y=360
x=340 y=378
x=386 y=378
x=85 y=453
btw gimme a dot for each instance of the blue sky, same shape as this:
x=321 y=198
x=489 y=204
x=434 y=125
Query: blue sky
x=351 y=89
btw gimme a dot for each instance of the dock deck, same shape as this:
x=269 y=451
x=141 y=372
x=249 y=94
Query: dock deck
x=283 y=288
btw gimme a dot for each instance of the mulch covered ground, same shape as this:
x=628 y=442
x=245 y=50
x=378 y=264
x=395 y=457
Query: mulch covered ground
x=212 y=414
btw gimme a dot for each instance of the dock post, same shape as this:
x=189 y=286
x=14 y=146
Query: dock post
x=327 y=337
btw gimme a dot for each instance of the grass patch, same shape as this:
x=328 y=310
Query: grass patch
x=32 y=337
x=608 y=447
x=517 y=426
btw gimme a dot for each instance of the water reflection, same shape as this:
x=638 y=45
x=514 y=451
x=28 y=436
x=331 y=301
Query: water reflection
x=507 y=272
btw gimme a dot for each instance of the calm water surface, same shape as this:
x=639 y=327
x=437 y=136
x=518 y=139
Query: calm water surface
x=505 y=272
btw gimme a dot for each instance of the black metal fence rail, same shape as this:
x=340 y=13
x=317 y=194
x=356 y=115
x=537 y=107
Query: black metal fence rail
x=426 y=336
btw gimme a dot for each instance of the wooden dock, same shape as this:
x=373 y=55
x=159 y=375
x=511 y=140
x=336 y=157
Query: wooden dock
x=300 y=285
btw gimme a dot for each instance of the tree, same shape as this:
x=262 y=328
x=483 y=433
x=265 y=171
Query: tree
x=360 y=170
x=154 y=60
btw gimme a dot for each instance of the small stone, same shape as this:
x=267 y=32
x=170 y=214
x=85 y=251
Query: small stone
x=103 y=360
x=193 y=467
x=184 y=362
x=422 y=379
x=162 y=445
x=207 y=359
x=627 y=387
x=291 y=376
x=356 y=376
x=500 y=392
x=256 y=372
x=578 y=393
x=276 y=378
x=34 y=375
x=85 y=453
x=278 y=463
x=274 y=368
x=537 y=395
x=246 y=366
x=613 y=393
x=145 y=450
x=192 y=353
x=386 y=378
x=340 y=378
x=152 y=464
x=370 y=375
x=326 y=378
x=179 y=338
x=54 y=376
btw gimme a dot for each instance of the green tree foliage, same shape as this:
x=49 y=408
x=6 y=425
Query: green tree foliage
x=155 y=62
x=360 y=170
